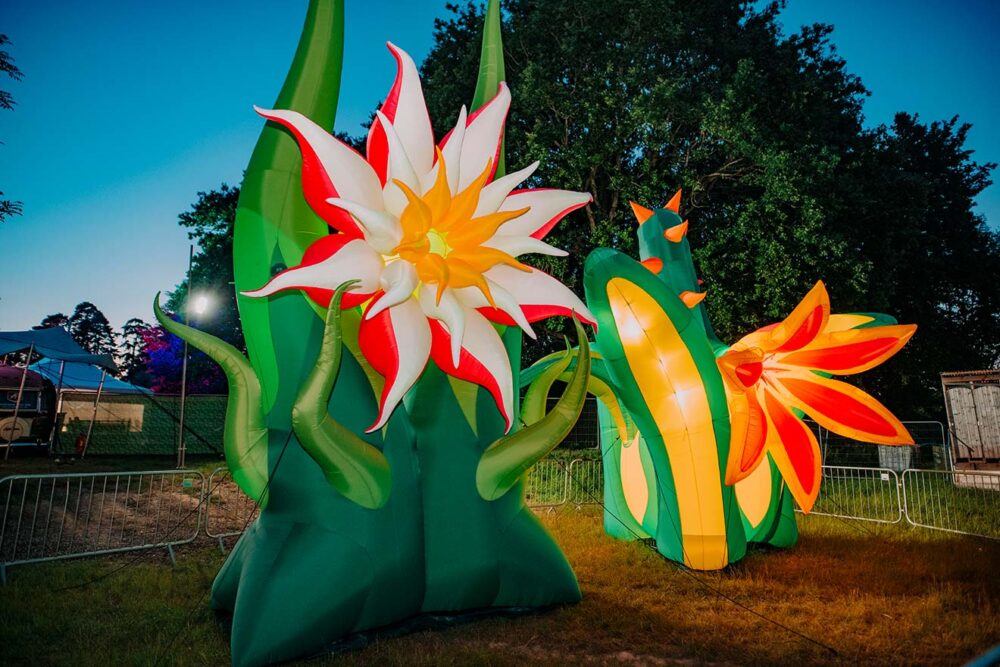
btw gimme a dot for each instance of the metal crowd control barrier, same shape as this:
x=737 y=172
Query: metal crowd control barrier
x=228 y=511
x=866 y=494
x=52 y=517
x=546 y=485
x=585 y=478
x=959 y=501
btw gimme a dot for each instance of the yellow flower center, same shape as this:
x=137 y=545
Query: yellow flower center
x=443 y=240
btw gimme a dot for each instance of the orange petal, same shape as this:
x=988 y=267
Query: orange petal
x=676 y=233
x=461 y=274
x=851 y=351
x=804 y=323
x=734 y=359
x=483 y=258
x=675 y=203
x=438 y=198
x=642 y=214
x=463 y=205
x=845 y=321
x=477 y=231
x=748 y=434
x=416 y=218
x=654 y=264
x=842 y=408
x=794 y=450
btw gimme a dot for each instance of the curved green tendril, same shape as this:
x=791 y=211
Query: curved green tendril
x=535 y=399
x=355 y=468
x=245 y=433
x=503 y=462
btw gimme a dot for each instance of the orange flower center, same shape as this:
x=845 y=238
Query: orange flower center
x=443 y=240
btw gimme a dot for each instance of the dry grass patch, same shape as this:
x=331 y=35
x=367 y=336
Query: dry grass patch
x=877 y=595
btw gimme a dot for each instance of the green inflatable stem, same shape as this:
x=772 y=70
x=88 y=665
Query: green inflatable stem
x=535 y=399
x=357 y=469
x=503 y=462
x=245 y=432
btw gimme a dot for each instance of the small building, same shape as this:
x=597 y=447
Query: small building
x=972 y=401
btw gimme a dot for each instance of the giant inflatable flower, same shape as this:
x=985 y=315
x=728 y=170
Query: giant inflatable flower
x=787 y=366
x=432 y=239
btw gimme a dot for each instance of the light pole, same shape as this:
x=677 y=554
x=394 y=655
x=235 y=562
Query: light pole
x=197 y=303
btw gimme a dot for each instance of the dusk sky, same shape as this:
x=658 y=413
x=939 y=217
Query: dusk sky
x=128 y=109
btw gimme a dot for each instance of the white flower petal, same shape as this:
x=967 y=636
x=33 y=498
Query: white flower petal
x=521 y=245
x=451 y=149
x=380 y=229
x=473 y=297
x=399 y=341
x=411 y=120
x=483 y=343
x=355 y=261
x=493 y=194
x=399 y=279
x=546 y=208
x=539 y=294
x=351 y=176
x=482 y=136
x=450 y=312
x=400 y=166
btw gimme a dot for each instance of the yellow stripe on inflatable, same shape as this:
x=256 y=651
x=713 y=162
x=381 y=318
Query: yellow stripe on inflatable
x=673 y=390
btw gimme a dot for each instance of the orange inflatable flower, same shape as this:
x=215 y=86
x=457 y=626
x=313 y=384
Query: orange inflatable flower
x=785 y=367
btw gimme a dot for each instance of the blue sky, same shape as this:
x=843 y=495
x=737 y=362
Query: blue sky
x=128 y=109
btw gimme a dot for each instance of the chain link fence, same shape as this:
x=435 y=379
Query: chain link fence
x=140 y=424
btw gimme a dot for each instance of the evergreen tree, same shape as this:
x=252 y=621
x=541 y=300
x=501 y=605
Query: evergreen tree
x=91 y=329
x=132 y=354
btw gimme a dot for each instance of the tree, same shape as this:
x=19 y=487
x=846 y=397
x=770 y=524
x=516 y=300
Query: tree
x=934 y=260
x=210 y=225
x=132 y=354
x=8 y=208
x=91 y=329
x=634 y=99
x=53 y=320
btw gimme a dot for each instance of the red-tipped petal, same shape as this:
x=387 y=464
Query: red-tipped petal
x=794 y=450
x=842 y=408
x=748 y=434
x=804 y=323
x=330 y=168
x=851 y=351
x=482 y=360
x=397 y=344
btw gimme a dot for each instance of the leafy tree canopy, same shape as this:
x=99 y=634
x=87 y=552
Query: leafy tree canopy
x=764 y=132
x=8 y=207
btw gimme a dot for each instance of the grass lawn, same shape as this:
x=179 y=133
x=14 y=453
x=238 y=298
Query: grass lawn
x=877 y=595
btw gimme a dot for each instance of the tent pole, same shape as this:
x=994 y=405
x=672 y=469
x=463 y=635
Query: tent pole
x=59 y=400
x=17 y=404
x=93 y=416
